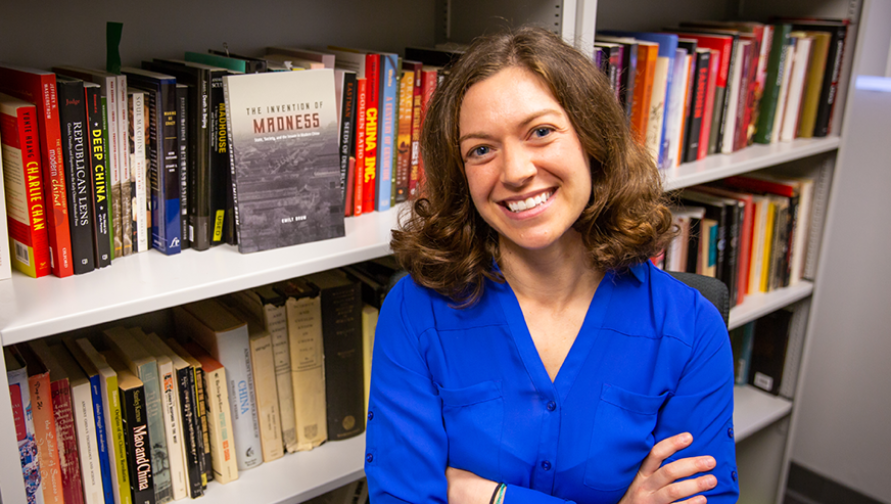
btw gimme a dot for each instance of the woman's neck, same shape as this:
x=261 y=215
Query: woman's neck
x=553 y=275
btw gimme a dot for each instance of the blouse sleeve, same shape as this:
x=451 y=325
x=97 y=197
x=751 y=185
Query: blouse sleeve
x=406 y=444
x=702 y=404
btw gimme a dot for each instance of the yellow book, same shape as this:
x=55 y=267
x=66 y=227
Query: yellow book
x=768 y=242
x=813 y=83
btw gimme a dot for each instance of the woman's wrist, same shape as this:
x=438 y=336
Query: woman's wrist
x=498 y=494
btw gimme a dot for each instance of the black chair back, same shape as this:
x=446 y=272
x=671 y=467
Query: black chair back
x=711 y=288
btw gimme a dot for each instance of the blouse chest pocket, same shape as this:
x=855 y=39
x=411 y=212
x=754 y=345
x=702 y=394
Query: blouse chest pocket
x=622 y=437
x=473 y=418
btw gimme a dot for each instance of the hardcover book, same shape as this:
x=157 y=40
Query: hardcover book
x=226 y=339
x=78 y=176
x=345 y=84
x=186 y=395
x=22 y=417
x=341 y=305
x=304 y=312
x=203 y=446
x=285 y=163
x=26 y=212
x=39 y=87
x=769 y=350
x=103 y=235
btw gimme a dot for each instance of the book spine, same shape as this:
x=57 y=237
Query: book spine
x=263 y=364
x=233 y=173
x=219 y=178
x=204 y=462
x=347 y=132
x=154 y=416
x=415 y=160
x=372 y=132
x=276 y=318
x=344 y=377
x=429 y=80
x=359 y=191
x=164 y=156
x=63 y=412
x=389 y=86
x=87 y=448
x=139 y=446
x=697 y=111
x=172 y=431
x=708 y=113
x=23 y=420
x=740 y=130
x=191 y=429
x=307 y=370
x=773 y=82
x=222 y=446
x=403 y=159
x=830 y=79
x=99 y=172
x=127 y=160
x=139 y=162
x=102 y=441
x=79 y=189
x=235 y=356
x=114 y=424
x=199 y=188
x=46 y=437
x=26 y=211
x=182 y=163
x=113 y=146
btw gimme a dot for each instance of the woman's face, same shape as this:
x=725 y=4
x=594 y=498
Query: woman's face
x=528 y=174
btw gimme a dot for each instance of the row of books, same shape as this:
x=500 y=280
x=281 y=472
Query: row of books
x=128 y=416
x=206 y=150
x=751 y=232
x=711 y=87
x=765 y=354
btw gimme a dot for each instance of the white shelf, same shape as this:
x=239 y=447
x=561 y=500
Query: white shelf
x=753 y=410
x=33 y=308
x=757 y=305
x=296 y=477
x=751 y=158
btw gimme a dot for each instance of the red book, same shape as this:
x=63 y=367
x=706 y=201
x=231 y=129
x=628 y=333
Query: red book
x=45 y=434
x=747 y=101
x=714 y=68
x=372 y=137
x=63 y=412
x=760 y=185
x=39 y=88
x=415 y=132
x=26 y=213
x=429 y=79
x=361 y=104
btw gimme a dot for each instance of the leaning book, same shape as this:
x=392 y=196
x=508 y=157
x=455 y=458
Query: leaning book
x=284 y=158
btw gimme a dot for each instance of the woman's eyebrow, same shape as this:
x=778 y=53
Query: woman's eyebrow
x=530 y=118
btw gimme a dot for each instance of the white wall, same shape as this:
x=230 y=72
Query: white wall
x=844 y=401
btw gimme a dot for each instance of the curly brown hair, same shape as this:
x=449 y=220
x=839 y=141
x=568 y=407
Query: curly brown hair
x=446 y=245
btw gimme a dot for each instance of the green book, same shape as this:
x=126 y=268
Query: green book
x=234 y=64
x=779 y=51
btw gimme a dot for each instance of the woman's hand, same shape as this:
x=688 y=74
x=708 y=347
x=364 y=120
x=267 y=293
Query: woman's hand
x=468 y=488
x=656 y=485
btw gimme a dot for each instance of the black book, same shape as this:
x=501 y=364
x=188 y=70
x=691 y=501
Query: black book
x=344 y=367
x=163 y=156
x=829 y=90
x=769 y=350
x=628 y=70
x=715 y=209
x=347 y=123
x=613 y=56
x=684 y=138
x=192 y=435
x=697 y=105
x=376 y=279
x=693 y=244
x=432 y=56
x=134 y=423
x=182 y=128
x=101 y=189
x=78 y=177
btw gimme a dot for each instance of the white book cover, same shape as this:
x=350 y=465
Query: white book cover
x=734 y=85
x=139 y=139
x=124 y=163
x=171 y=413
x=796 y=87
x=657 y=108
x=284 y=158
x=23 y=421
x=226 y=339
x=789 y=50
x=675 y=125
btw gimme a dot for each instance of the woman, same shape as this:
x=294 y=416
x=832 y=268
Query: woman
x=535 y=355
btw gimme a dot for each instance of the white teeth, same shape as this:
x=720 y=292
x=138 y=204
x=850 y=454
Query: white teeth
x=528 y=203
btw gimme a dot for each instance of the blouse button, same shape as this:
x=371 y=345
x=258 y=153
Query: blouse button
x=370 y=415
x=733 y=475
x=730 y=433
x=552 y=406
x=369 y=458
x=546 y=465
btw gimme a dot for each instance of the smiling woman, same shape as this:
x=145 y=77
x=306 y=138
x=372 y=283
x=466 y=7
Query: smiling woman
x=535 y=354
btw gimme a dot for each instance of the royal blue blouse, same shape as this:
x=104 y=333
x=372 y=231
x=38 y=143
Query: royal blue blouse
x=466 y=388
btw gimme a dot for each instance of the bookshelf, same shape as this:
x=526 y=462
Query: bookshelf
x=151 y=282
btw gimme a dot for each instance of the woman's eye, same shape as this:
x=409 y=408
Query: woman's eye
x=478 y=151
x=541 y=132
